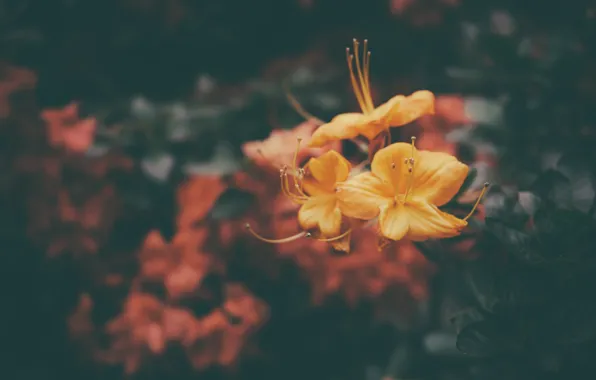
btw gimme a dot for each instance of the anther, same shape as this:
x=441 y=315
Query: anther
x=308 y=235
x=393 y=165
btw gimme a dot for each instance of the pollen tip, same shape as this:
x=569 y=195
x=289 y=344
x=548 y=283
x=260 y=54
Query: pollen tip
x=247 y=226
x=308 y=235
x=413 y=138
x=486 y=184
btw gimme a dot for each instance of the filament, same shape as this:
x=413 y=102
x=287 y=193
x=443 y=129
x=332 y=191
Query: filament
x=298 y=107
x=336 y=238
x=411 y=165
x=295 y=159
x=365 y=90
x=359 y=96
x=484 y=188
x=285 y=188
x=278 y=241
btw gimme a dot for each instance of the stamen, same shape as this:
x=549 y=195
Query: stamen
x=285 y=185
x=365 y=91
x=298 y=107
x=296 y=151
x=410 y=162
x=336 y=238
x=486 y=185
x=359 y=96
x=367 y=70
x=278 y=241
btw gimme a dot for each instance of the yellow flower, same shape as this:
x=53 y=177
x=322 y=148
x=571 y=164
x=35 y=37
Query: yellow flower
x=404 y=190
x=314 y=188
x=396 y=112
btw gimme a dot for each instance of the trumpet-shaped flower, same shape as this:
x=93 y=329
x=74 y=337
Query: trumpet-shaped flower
x=314 y=188
x=397 y=111
x=403 y=190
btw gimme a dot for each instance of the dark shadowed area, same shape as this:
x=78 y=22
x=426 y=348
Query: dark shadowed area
x=138 y=137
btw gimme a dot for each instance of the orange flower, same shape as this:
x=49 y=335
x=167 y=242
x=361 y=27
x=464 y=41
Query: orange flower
x=314 y=189
x=396 y=112
x=404 y=190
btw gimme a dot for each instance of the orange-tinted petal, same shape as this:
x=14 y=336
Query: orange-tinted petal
x=418 y=104
x=343 y=126
x=389 y=164
x=324 y=172
x=438 y=177
x=378 y=119
x=363 y=195
x=393 y=222
x=321 y=212
x=428 y=222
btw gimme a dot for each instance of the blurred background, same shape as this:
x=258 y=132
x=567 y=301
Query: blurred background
x=129 y=137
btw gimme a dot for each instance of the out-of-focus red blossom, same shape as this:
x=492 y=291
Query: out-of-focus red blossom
x=219 y=342
x=146 y=323
x=278 y=149
x=449 y=114
x=66 y=129
x=196 y=198
x=180 y=265
x=12 y=79
x=366 y=273
x=422 y=12
x=435 y=141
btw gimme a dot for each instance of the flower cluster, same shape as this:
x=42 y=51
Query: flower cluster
x=402 y=191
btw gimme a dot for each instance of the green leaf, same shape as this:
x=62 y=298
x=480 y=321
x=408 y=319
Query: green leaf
x=231 y=204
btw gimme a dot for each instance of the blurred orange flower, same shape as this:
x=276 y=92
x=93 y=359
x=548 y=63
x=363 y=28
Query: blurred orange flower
x=397 y=111
x=196 y=196
x=65 y=129
x=180 y=265
x=404 y=190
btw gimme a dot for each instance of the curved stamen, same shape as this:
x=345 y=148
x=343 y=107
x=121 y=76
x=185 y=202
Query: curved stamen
x=298 y=107
x=484 y=188
x=355 y=87
x=285 y=188
x=289 y=239
x=364 y=90
x=336 y=238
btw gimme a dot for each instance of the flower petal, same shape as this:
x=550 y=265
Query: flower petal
x=324 y=172
x=389 y=164
x=393 y=222
x=363 y=195
x=438 y=177
x=321 y=212
x=343 y=126
x=378 y=120
x=428 y=222
x=418 y=104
